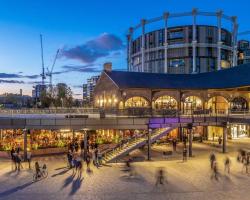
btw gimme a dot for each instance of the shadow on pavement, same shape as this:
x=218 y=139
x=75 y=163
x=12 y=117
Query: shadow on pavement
x=15 y=189
x=68 y=180
x=61 y=173
x=61 y=168
x=76 y=185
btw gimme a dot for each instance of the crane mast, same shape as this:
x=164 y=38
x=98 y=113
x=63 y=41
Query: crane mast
x=43 y=72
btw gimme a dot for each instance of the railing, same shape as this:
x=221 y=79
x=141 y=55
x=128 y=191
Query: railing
x=129 y=112
x=121 y=145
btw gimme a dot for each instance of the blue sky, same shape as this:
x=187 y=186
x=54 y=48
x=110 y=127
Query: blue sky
x=89 y=32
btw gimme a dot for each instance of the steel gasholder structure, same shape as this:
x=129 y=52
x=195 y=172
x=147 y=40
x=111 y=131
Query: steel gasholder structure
x=183 y=49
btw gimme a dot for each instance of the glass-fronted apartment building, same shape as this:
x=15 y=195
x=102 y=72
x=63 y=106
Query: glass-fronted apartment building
x=191 y=48
x=180 y=52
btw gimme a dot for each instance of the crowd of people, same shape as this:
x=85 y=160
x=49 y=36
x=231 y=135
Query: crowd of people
x=243 y=158
x=77 y=156
x=16 y=158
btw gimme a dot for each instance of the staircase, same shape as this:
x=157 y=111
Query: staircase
x=135 y=143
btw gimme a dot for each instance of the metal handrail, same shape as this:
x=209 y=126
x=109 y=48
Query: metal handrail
x=131 y=112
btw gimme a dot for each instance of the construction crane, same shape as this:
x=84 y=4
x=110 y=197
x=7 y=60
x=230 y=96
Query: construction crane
x=50 y=72
x=43 y=72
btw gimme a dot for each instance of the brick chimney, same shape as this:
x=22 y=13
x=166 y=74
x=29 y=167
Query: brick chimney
x=107 y=66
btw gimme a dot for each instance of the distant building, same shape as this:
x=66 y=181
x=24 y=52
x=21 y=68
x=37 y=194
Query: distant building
x=88 y=89
x=243 y=52
x=9 y=100
x=38 y=89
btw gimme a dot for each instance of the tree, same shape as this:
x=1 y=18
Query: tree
x=46 y=99
x=63 y=95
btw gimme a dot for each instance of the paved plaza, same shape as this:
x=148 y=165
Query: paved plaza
x=189 y=180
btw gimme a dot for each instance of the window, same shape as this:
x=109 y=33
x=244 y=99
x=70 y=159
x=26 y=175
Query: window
x=239 y=104
x=247 y=52
x=161 y=39
x=176 y=35
x=223 y=36
x=177 y=63
x=209 y=40
x=136 y=102
x=165 y=102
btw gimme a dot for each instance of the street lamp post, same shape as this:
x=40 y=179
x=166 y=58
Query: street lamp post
x=224 y=142
x=190 y=127
x=149 y=143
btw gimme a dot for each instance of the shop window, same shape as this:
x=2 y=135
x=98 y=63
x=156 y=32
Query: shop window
x=11 y=138
x=192 y=103
x=165 y=102
x=239 y=104
x=136 y=102
x=218 y=104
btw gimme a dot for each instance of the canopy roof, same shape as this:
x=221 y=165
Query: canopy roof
x=234 y=77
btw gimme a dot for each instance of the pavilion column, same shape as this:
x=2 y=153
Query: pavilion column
x=165 y=16
x=73 y=134
x=25 y=144
x=194 y=41
x=149 y=143
x=224 y=141
x=190 y=146
x=143 y=22
x=219 y=43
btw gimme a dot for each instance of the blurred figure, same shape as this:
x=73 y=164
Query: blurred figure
x=160 y=177
x=227 y=165
x=220 y=140
x=212 y=160
x=88 y=160
x=174 y=144
x=246 y=162
x=215 y=171
x=184 y=154
x=29 y=158
x=70 y=158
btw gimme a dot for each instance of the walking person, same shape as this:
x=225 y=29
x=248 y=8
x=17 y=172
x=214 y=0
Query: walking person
x=215 y=171
x=184 y=154
x=174 y=144
x=212 y=160
x=13 y=158
x=29 y=158
x=88 y=160
x=246 y=163
x=18 y=161
x=69 y=157
x=220 y=140
x=160 y=177
x=227 y=165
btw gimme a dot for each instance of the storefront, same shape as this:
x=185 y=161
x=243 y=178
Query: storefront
x=165 y=102
x=239 y=131
x=39 y=142
x=192 y=104
x=214 y=132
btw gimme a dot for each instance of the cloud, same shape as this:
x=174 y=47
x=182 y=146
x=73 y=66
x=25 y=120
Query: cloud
x=31 y=76
x=81 y=68
x=6 y=75
x=9 y=75
x=11 y=81
x=94 y=49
